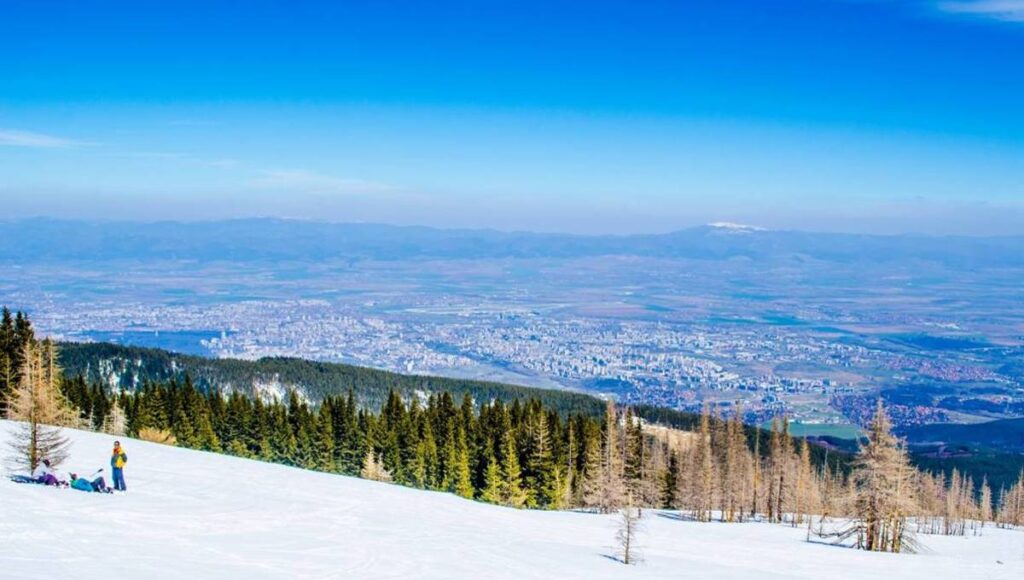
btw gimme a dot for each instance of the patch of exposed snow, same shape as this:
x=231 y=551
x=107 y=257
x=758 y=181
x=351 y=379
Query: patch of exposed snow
x=270 y=390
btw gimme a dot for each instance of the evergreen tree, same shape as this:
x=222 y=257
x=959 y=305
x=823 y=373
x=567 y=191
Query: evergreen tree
x=636 y=456
x=8 y=361
x=325 y=439
x=670 y=483
x=463 y=477
x=492 y=490
x=543 y=479
x=512 y=493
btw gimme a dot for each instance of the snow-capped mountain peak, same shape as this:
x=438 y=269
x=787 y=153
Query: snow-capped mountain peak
x=734 y=227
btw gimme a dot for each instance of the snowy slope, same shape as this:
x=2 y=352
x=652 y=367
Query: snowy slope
x=190 y=514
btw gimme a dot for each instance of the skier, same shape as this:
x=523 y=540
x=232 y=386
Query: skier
x=44 y=474
x=97 y=483
x=117 y=460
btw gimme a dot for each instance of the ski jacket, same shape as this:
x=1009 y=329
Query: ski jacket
x=82 y=484
x=118 y=458
x=42 y=471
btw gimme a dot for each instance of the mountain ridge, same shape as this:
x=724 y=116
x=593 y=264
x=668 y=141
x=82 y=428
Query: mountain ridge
x=273 y=239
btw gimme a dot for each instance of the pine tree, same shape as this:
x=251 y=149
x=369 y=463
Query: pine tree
x=703 y=475
x=605 y=489
x=463 y=477
x=348 y=439
x=670 y=483
x=883 y=488
x=427 y=457
x=755 y=476
x=448 y=461
x=205 y=437
x=635 y=453
x=325 y=440
x=543 y=480
x=15 y=335
x=512 y=493
x=8 y=366
x=42 y=410
x=491 y=492
x=589 y=489
x=734 y=468
x=7 y=380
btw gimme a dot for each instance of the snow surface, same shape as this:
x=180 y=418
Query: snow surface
x=190 y=514
x=736 y=227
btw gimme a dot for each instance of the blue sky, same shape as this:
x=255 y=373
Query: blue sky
x=853 y=115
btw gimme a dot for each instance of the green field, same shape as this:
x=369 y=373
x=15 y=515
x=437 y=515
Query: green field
x=839 y=430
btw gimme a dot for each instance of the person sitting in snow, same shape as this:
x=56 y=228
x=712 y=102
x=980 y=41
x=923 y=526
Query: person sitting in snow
x=117 y=460
x=97 y=484
x=44 y=474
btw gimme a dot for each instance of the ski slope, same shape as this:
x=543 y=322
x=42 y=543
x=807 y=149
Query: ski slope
x=190 y=514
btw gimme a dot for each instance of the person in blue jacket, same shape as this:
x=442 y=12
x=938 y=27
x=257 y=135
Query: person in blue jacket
x=97 y=484
x=117 y=460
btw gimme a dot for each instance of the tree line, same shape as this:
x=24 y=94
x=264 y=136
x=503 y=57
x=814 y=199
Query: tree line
x=129 y=367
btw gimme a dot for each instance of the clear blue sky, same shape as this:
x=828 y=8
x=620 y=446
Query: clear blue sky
x=856 y=115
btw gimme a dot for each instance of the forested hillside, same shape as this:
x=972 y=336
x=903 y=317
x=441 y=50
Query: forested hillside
x=128 y=368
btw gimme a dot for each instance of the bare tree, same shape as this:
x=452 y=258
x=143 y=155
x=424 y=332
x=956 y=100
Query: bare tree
x=704 y=476
x=114 y=424
x=985 y=503
x=1011 y=504
x=883 y=492
x=606 y=488
x=37 y=403
x=735 y=467
x=373 y=469
x=806 y=498
x=629 y=525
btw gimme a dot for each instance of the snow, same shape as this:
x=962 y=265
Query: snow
x=190 y=514
x=736 y=227
x=271 y=390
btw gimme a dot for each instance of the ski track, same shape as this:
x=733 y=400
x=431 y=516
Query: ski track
x=190 y=514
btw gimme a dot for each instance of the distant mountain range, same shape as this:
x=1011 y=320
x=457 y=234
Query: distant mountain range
x=41 y=240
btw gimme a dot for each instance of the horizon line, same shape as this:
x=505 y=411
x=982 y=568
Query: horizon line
x=720 y=225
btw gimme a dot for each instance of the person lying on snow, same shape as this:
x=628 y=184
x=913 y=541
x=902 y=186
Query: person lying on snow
x=95 y=483
x=45 y=475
